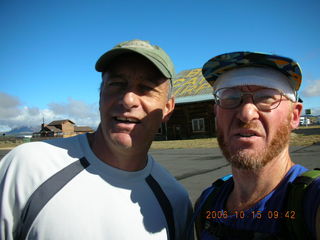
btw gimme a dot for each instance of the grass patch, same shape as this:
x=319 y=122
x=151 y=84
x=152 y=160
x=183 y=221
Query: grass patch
x=192 y=143
x=309 y=127
x=303 y=140
x=10 y=142
x=303 y=136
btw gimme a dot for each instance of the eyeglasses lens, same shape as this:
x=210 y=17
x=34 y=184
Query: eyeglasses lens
x=265 y=99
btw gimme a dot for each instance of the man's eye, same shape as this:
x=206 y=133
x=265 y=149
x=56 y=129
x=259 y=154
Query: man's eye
x=146 y=88
x=265 y=98
x=230 y=100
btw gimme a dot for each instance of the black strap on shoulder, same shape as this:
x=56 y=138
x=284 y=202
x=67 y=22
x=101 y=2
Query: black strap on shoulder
x=294 y=203
x=164 y=203
x=45 y=192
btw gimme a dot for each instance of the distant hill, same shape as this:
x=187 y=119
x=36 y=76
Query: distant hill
x=21 y=131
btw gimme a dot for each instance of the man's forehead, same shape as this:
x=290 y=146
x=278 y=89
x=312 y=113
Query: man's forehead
x=256 y=76
x=123 y=76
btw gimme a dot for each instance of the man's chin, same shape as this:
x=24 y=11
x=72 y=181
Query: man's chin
x=122 y=140
x=247 y=160
x=258 y=157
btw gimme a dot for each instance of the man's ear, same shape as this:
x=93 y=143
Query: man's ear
x=168 y=109
x=295 y=115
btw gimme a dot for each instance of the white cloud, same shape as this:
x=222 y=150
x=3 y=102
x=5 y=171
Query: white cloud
x=13 y=114
x=78 y=111
x=312 y=90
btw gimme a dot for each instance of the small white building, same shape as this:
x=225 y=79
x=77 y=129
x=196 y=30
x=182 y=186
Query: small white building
x=304 y=121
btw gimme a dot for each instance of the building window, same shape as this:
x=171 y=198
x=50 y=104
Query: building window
x=198 y=125
x=160 y=130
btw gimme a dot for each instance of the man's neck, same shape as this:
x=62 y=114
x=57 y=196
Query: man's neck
x=124 y=159
x=250 y=186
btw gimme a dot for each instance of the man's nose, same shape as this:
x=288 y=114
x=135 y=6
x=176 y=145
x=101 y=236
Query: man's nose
x=129 y=99
x=247 y=111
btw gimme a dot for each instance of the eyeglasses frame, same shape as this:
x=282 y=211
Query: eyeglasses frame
x=282 y=96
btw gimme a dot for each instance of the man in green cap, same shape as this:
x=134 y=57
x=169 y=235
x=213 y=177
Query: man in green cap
x=256 y=108
x=102 y=185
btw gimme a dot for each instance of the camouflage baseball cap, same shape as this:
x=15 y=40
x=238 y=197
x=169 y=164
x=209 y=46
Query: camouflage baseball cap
x=152 y=52
x=213 y=68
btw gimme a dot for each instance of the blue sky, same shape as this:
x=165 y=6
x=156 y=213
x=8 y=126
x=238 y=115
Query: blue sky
x=48 y=49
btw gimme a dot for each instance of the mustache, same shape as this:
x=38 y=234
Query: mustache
x=249 y=125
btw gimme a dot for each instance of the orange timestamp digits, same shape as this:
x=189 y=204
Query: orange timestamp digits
x=277 y=214
x=216 y=214
x=224 y=214
x=274 y=214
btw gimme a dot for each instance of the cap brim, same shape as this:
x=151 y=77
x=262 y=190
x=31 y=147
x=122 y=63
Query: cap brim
x=106 y=58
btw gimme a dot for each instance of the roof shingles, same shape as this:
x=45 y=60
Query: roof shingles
x=191 y=86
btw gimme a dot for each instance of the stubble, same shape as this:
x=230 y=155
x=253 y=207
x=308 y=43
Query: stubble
x=240 y=159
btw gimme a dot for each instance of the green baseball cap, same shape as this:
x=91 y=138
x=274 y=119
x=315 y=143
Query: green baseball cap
x=152 y=52
x=216 y=66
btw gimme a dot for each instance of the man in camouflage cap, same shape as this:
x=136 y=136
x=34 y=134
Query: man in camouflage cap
x=256 y=108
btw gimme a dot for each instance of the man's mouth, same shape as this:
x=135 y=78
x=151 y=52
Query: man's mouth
x=127 y=120
x=246 y=135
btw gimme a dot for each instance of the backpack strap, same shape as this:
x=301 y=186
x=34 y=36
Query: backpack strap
x=296 y=227
x=44 y=193
x=295 y=196
x=318 y=223
x=164 y=204
x=204 y=203
x=219 y=230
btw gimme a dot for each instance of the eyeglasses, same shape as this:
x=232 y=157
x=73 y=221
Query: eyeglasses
x=264 y=99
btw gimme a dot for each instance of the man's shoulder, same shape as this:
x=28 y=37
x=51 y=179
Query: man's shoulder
x=306 y=189
x=297 y=170
x=25 y=152
x=213 y=190
x=52 y=144
x=44 y=154
x=30 y=164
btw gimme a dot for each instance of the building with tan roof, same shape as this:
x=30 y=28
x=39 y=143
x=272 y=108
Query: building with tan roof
x=193 y=115
x=61 y=128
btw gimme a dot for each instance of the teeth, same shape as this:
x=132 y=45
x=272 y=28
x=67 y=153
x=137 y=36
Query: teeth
x=121 y=118
x=124 y=119
x=132 y=120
